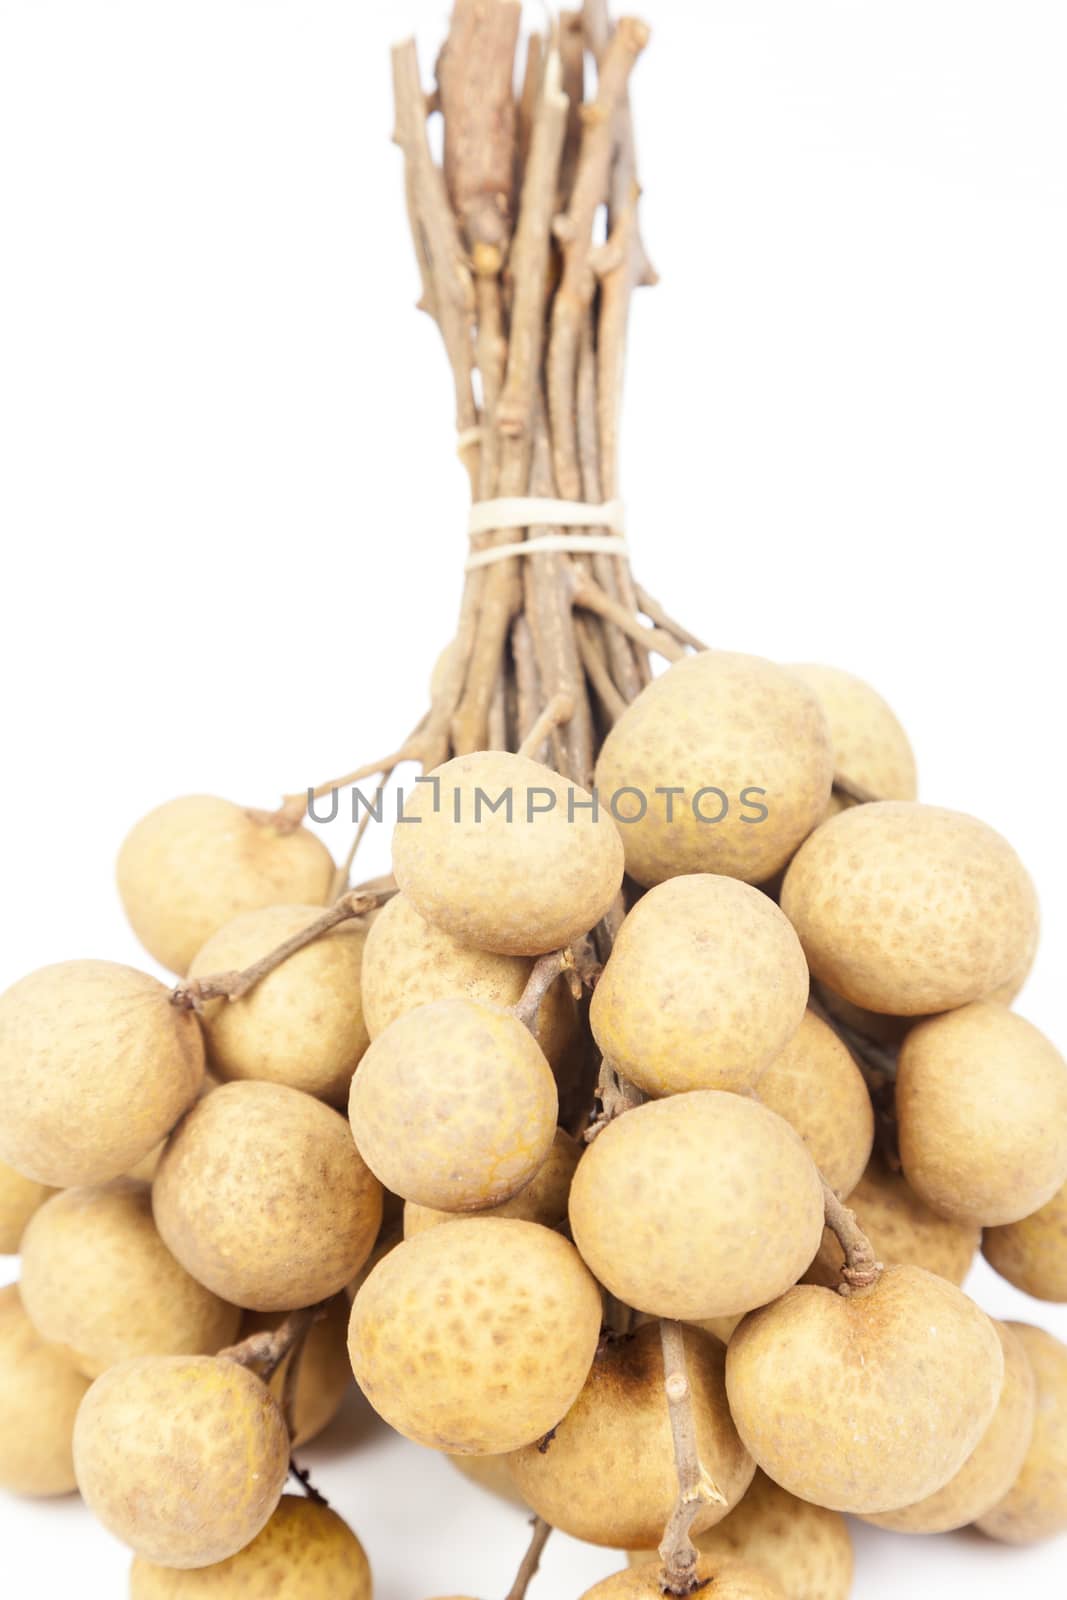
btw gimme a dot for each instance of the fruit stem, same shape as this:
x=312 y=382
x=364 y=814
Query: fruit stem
x=268 y=1349
x=546 y=969
x=860 y=1268
x=560 y=709
x=531 y=1560
x=695 y=1488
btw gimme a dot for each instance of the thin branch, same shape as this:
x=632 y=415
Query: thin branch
x=531 y=1560
x=559 y=710
x=546 y=969
x=696 y=1488
x=615 y=1095
x=303 y=1478
x=860 y=1269
x=268 y=1349
x=590 y=597
x=655 y=612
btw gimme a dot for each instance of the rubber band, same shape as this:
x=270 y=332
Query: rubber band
x=608 y=544
x=521 y=511
x=468 y=437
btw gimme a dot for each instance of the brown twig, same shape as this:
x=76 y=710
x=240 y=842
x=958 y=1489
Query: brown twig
x=531 y=1560
x=615 y=1095
x=268 y=1349
x=655 y=612
x=303 y=1478
x=860 y=1269
x=696 y=1488
x=559 y=710
x=546 y=969
x=590 y=597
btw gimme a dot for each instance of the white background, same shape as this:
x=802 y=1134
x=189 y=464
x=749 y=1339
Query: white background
x=233 y=519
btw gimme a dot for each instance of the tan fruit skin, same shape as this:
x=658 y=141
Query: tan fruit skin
x=805 y=1548
x=723 y=1580
x=902 y=1229
x=705 y=986
x=476 y=1338
x=981 y=1102
x=870 y=1402
x=40 y=1393
x=323 y=1374
x=910 y=909
x=817 y=1087
x=408 y=962
x=543 y=1200
x=1032 y=1253
x=490 y=1473
x=517 y=888
x=195 y=863
x=608 y=1475
x=98 y=1280
x=96 y=1067
x=183 y=1458
x=262 y=1196
x=871 y=749
x=1035 y=1507
x=454 y=1106
x=734 y=1171
x=994 y=1463
x=735 y=722
x=302 y=1024
x=19 y=1198
x=305 y=1552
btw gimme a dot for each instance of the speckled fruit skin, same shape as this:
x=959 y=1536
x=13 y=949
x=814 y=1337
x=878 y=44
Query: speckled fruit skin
x=262 y=1195
x=19 y=1198
x=96 y=1067
x=732 y=722
x=183 y=1458
x=608 y=1476
x=805 y=1548
x=454 y=1106
x=732 y=1171
x=98 y=1280
x=981 y=1103
x=994 y=1463
x=323 y=1374
x=544 y=1199
x=478 y=1337
x=870 y=1402
x=195 y=863
x=871 y=749
x=40 y=1393
x=520 y=887
x=902 y=1229
x=1035 y=1507
x=722 y=1580
x=706 y=984
x=302 y=1024
x=910 y=909
x=1032 y=1253
x=817 y=1087
x=408 y=962
x=305 y=1552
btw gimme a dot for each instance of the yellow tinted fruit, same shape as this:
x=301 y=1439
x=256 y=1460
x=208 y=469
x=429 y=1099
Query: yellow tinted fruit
x=817 y=1087
x=40 y=1393
x=19 y=1198
x=725 y=1580
x=871 y=749
x=323 y=1372
x=1035 y=1507
x=544 y=1199
x=1032 y=1253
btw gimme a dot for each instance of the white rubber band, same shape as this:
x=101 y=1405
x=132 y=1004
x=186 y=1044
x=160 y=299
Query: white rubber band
x=609 y=544
x=486 y=516
x=467 y=437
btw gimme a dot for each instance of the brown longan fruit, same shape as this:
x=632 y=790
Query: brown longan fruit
x=519 y=885
x=701 y=1205
x=478 y=1337
x=608 y=1473
x=1035 y=1507
x=183 y=1458
x=720 y=1580
x=544 y=1199
x=994 y=1463
x=739 y=723
x=454 y=1106
x=40 y=1393
x=705 y=986
x=262 y=1195
x=1032 y=1253
x=817 y=1087
x=871 y=749
x=302 y=1024
x=19 y=1198
x=981 y=1102
x=910 y=909
x=195 y=863
x=98 y=1280
x=323 y=1372
x=868 y=1402
x=305 y=1552
x=96 y=1067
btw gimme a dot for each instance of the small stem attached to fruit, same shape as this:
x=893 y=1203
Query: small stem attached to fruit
x=531 y=1560
x=695 y=1488
x=616 y=1094
x=860 y=1269
x=267 y=1350
x=560 y=709
x=546 y=969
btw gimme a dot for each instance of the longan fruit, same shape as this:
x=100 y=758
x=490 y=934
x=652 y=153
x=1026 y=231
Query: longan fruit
x=806 y=1548
x=195 y=863
x=454 y=1106
x=40 y=1393
x=701 y=1205
x=517 y=885
x=183 y=1458
x=302 y=1024
x=491 y=1474
x=745 y=725
x=817 y=1087
x=1035 y=1507
x=96 y=1067
x=867 y=1402
x=720 y=1580
x=1032 y=1253
x=981 y=1102
x=19 y=1198
x=98 y=1280
x=408 y=962
x=544 y=1199
x=304 y=1552
x=993 y=1465
x=262 y=1195
x=871 y=749
x=323 y=1372
x=476 y=1338
x=902 y=1229
x=705 y=986
x=608 y=1473
x=910 y=909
